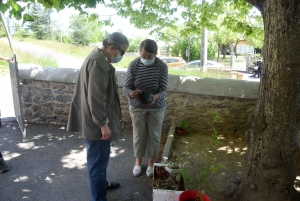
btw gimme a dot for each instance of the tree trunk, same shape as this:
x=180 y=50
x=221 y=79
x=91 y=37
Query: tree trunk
x=236 y=43
x=224 y=51
x=272 y=140
x=219 y=47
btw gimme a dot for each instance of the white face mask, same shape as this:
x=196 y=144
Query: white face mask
x=117 y=59
x=147 y=62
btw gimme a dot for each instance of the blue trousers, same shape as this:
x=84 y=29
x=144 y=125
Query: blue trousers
x=259 y=72
x=98 y=152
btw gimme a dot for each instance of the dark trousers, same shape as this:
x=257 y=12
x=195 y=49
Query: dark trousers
x=259 y=72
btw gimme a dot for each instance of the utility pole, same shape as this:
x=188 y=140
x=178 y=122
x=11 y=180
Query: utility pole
x=204 y=48
x=60 y=27
x=188 y=52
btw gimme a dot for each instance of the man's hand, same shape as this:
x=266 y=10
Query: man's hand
x=106 y=132
x=135 y=94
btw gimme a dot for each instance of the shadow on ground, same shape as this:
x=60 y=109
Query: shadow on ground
x=51 y=165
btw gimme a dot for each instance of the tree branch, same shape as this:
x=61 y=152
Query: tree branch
x=259 y=4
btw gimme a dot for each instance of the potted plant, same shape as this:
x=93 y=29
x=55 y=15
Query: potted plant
x=181 y=128
x=170 y=186
x=175 y=162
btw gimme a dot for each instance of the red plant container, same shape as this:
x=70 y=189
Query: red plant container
x=192 y=195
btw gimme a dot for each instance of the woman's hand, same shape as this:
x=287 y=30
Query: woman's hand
x=135 y=94
x=154 y=98
x=106 y=132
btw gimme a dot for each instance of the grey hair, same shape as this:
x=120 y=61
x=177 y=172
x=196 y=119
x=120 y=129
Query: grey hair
x=116 y=38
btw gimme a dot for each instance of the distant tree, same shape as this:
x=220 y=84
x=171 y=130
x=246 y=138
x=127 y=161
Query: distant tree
x=85 y=29
x=41 y=24
x=135 y=44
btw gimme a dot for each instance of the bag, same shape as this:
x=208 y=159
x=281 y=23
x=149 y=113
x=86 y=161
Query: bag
x=255 y=67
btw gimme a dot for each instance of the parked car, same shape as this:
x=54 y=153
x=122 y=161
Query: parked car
x=196 y=65
x=173 y=61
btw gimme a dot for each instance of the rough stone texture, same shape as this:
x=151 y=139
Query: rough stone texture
x=48 y=101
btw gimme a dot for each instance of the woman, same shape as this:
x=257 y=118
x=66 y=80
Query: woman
x=146 y=73
x=95 y=110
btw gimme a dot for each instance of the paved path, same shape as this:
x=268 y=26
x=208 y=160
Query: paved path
x=51 y=165
x=62 y=60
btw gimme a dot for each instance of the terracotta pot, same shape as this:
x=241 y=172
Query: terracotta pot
x=160 y=171
x=181 y=131
x=191 y=195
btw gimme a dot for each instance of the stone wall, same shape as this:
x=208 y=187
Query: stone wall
x=47 y=95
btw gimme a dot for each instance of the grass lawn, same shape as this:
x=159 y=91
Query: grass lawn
x=83 y=51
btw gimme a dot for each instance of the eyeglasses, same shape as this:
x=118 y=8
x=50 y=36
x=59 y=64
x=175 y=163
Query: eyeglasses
x=122 y=52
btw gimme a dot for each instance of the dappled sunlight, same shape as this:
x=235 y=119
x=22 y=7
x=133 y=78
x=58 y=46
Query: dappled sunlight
x=76 y=159
x=48 y=179
x=26 y=190
x=21 y=179
x=10 y=155
x=230 y=150
x=36 y=71
x=115 y=151
x=29 y=145
x=37 y=137
x=26 y=145
x=189 y=78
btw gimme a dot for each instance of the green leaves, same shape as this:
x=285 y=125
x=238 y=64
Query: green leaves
x=3 y=7
x=27 y=17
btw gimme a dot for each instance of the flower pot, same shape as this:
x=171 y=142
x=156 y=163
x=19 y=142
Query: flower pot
x=160 y=172
x=181 y=131
x=191 y=195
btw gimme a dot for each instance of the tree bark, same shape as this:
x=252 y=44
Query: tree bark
x=272 y=140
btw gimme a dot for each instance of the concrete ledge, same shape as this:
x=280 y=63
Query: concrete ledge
x=181 y=84
x=34 y=72
x=214 y=87
x=168 y=146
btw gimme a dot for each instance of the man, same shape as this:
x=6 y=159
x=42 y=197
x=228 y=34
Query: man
x=3 y=166
x=96 y=112
x=259 y=65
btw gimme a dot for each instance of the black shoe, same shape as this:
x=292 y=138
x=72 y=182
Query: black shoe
x=113 y=185
x=3 y=166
